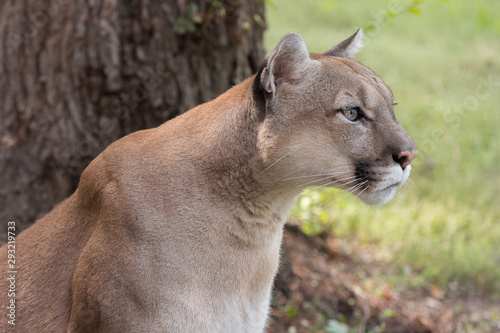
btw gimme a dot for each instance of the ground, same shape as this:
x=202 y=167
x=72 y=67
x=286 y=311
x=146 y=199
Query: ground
x=327 y=285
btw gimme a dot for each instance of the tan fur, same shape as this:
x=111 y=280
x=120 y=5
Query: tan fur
x=178 y=228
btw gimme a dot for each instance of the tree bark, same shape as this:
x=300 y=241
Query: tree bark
x=77 y=75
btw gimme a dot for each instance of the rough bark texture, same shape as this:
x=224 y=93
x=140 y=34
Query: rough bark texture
x=77 y=75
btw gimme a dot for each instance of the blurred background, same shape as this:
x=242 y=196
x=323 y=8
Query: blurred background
x=441 y=59
x=76 y=76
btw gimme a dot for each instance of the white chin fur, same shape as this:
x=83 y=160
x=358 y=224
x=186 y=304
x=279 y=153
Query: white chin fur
x=395 y=178
x=379 y=197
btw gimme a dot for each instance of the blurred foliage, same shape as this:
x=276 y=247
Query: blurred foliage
x=441 y=60
x=393 y=10
x=187 y=23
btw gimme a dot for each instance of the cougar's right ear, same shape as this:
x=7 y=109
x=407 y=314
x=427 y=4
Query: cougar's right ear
x=286 y=62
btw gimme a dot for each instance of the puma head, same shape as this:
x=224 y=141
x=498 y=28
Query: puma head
x=329 y=121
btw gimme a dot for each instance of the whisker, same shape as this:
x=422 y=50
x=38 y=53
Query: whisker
x=317 y=175
x=342 y=198
x=331 y=187
x=314 y=181
x=376 y=187
x=309 y=176
x=397 y=199
x=342 y=192
x=405 y=186
x=348 y=191
x=353 y=187
x=279 y=159
x=314 y=175
x=411 y=180
x=337 y=181
x=357 y=195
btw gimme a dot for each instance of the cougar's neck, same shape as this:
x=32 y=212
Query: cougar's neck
x=258 y=205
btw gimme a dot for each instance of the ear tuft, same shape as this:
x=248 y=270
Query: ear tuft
x=349 y=47
x=286 y=62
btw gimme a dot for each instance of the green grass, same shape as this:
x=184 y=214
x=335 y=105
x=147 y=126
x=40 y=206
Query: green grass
x=438 y=61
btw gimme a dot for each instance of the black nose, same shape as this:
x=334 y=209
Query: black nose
x=404 y=158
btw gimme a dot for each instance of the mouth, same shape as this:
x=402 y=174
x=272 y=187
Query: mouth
x=391 y=184
x=379 y=197
x=384 y=192
x=377 y=186
x=388 y=188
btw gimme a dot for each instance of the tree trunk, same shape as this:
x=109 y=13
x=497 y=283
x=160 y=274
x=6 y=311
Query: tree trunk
x=77 y=75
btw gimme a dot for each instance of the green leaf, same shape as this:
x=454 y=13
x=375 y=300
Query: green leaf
x=191 y=10
x=387 y=313
x=197 y=19
x=414 y=11
x=187 y=23
x=220 y=7
x=290 y=310
x=258 y=19
x=246 y=25
x=369 y=27
x=270 y=3
x=183 y=26
x=391 y=14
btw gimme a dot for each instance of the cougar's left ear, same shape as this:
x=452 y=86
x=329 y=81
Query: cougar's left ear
x=349 y=47
x=287 y=62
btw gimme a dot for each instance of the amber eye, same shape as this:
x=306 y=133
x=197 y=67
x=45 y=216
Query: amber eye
x=352 y=114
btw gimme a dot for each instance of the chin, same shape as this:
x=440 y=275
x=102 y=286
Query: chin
x=378 y=198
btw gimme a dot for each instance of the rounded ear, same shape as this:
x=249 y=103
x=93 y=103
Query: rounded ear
x=285 y=63
x=349 y=47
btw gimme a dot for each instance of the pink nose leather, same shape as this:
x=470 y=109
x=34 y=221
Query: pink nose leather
x=405 y=157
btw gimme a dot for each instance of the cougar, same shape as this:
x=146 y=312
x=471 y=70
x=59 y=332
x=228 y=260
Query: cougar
x=178 y=228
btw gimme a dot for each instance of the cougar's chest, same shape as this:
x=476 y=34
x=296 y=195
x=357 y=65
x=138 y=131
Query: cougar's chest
x=228 y=290
x=242 y=302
